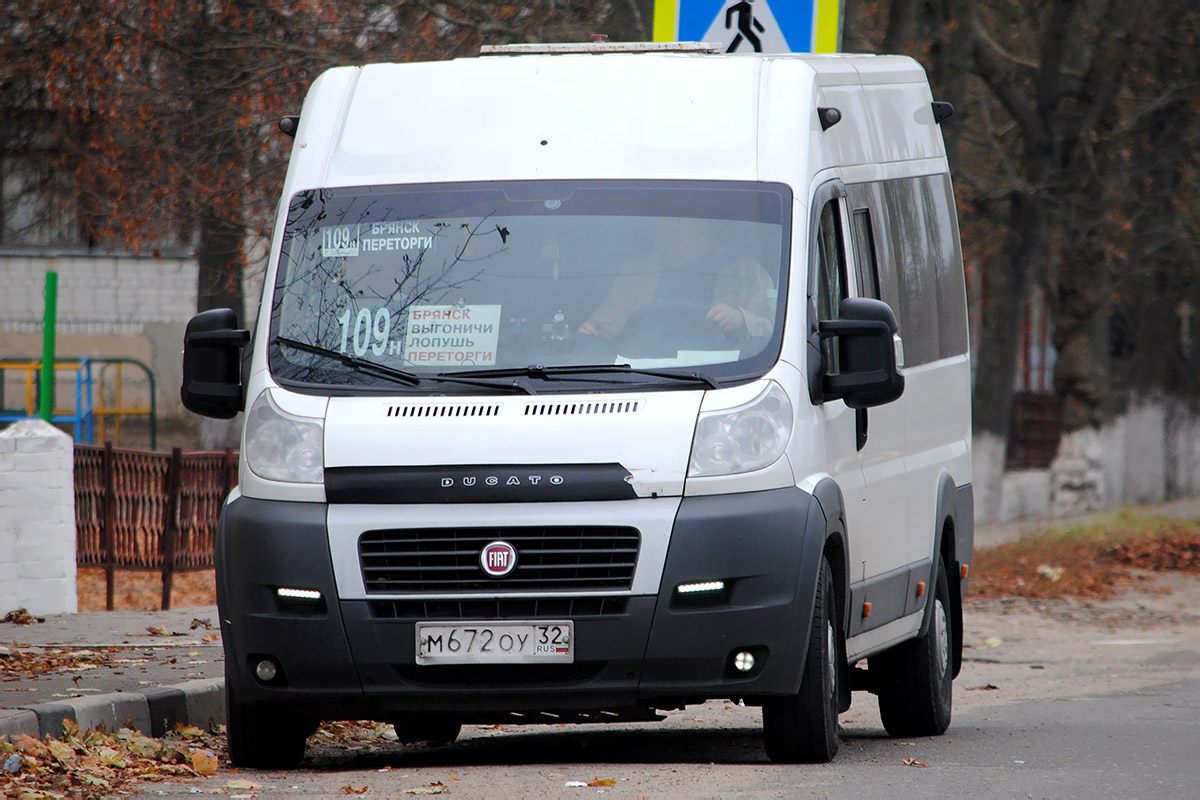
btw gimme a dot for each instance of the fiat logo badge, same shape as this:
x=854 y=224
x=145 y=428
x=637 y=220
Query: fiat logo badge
x=498 y=559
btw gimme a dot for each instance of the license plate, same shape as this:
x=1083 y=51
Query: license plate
x=549 y=642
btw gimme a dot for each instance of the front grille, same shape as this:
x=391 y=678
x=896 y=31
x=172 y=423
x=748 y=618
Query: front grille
x=505 y=608
x=566 y=558
x=466 y=676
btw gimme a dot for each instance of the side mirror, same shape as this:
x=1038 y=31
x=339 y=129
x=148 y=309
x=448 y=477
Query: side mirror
x=212 y=347
x=867 y=374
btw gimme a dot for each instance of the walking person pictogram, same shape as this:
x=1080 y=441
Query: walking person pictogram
x=746 y=26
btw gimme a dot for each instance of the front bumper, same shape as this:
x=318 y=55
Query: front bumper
x=355 y=658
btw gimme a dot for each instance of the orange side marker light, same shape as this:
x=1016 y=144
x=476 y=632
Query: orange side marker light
x=866 y=610
x=920 y=588
x=964 y=570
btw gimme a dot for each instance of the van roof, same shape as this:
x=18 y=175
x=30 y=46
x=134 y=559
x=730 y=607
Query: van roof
x=681 y=113
x=599 y=47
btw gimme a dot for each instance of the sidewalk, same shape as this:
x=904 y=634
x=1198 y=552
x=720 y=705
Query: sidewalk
x=110 y=668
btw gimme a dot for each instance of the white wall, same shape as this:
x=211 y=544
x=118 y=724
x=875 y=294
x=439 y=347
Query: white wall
x=37 y=519
x=97 y=295
x=1149 y=454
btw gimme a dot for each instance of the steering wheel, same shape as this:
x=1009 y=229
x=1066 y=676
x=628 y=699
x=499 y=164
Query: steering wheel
x=663 y=327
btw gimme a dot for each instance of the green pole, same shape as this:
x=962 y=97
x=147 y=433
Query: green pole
x=49 y=321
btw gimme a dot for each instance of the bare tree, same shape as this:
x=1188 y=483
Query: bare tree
x=162 y=113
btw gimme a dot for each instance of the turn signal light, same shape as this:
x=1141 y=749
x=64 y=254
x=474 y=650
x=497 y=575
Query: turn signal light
x=866 y=610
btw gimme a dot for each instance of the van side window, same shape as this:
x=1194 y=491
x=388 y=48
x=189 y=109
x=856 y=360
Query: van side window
x=831 y=277
x=864 y=247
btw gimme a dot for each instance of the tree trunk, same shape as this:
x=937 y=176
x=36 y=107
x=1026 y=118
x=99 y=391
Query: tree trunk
x=1006 y=289
x=220 y=265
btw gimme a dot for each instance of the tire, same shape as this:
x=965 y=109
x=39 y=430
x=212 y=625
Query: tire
x=915 y=680
x=427 y=728
x=803 y=728
x=264 y=737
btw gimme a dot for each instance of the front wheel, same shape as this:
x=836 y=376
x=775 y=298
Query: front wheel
x=426 y=728
x=915 y=679
x=803 y=728
x=264 y=737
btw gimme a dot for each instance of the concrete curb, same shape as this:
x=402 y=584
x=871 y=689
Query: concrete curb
x=153 y=711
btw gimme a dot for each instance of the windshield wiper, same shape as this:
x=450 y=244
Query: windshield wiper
x=354 y=362
x=568 y=372
x=397 y=375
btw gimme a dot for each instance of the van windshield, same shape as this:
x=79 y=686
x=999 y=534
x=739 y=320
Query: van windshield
x=525 y=277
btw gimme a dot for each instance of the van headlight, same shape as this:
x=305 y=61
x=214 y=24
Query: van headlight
x=742 y=439
x=281 y=446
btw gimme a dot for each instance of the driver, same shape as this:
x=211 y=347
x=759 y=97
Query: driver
x=685 y=266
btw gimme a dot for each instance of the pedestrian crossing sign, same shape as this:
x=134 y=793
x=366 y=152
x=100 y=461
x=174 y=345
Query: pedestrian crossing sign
x=752 y=26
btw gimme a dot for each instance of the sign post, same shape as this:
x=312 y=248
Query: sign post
x=752 y=26
x=49 y=324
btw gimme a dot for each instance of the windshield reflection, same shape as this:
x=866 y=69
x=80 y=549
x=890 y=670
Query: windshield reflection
x=460 y=278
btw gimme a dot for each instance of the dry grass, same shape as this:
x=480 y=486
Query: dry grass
x=142 y=591
x=1091 y=560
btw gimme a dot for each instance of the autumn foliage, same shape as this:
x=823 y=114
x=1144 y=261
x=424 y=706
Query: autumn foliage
x=1093 y=560
x=163 y=113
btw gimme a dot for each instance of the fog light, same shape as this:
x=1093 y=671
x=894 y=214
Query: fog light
x=266 y=670
x=298 y=594
x=743 y=661
x=699 y=588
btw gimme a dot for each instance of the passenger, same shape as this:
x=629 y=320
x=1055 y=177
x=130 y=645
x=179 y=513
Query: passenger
x=686 y=266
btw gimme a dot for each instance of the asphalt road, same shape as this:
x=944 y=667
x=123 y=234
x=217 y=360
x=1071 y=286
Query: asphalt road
x=1069 y=699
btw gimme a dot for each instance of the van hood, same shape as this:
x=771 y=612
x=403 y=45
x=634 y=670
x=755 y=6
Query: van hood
x=510 y=449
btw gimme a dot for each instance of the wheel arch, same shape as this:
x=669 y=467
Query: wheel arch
x=835 y=547
x=945 y=551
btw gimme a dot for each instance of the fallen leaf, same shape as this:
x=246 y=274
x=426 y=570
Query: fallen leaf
x=992 y=641
x=597 y=782
x=348 y=789
x=145 y=747
x=110 y=757
x=912 y=762
x=210 y=637
x=204 y=762
x=94 y=780
x=61 y=751
x=20 y=616
x=30 y=746
x=1053 y=573
x=202 y=623
x=433 y=788
x=987 y=687
x=241 y=783
x=157 y=630
x=188 y=731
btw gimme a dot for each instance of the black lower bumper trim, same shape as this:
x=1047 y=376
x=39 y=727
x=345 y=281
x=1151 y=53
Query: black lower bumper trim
x=358 y=659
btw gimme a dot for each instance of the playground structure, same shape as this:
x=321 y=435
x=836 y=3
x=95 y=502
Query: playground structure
x=98 y=401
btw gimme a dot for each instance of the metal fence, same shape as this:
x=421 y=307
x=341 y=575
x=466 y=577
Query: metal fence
x=149 y=511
